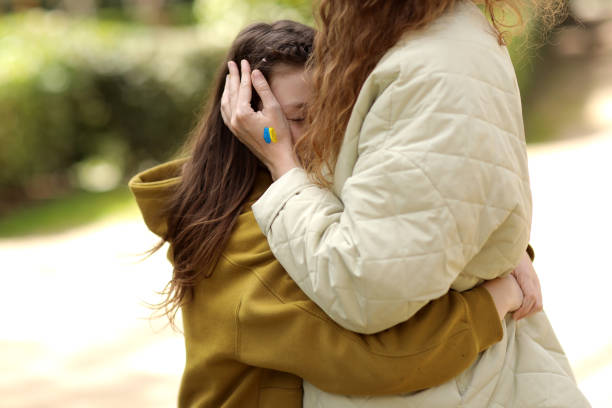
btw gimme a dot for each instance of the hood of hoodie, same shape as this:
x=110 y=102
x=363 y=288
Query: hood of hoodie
x=153 y=189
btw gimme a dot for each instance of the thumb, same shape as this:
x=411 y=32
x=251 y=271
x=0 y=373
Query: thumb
x=263 y=90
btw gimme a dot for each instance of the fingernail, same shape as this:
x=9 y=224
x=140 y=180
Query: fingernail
x=257 y=74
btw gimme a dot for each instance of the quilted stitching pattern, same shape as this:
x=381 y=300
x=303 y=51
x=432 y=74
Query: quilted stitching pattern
x=431 y=192
x=438 y=185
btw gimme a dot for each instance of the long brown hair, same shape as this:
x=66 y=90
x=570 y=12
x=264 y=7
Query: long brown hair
x=220 y=171
x=353 y=36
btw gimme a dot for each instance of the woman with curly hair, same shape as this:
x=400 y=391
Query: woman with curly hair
x=411 y=179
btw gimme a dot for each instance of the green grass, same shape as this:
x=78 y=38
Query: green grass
x=61 y=214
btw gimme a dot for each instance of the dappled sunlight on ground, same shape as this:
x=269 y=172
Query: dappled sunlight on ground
x=76 y=332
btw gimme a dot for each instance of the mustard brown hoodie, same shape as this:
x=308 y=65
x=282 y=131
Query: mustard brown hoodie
x=251 y=335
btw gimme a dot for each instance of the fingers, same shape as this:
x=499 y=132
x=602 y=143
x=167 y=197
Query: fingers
x=527 y=279
x=263 y=90
x=234 y=84
x=248 y=125
x=532 y=300
x=244 y=93
x=226 y=112
x=236 y=107
x=526 y=309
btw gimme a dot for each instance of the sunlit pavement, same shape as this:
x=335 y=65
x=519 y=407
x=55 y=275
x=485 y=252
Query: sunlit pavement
x=75 y=330
x=571 y=233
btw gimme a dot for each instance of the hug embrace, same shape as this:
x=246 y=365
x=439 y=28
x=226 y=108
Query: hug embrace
x=349 y=222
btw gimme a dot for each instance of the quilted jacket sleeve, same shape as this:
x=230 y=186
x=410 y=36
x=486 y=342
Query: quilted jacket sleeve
x=425 y=194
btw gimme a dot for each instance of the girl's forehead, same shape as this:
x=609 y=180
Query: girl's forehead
x=291 y=90
x=295 y=77
x=283 y=69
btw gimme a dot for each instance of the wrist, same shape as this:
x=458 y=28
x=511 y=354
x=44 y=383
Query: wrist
x=500 y=300
x=504 y=293
x=277 y=170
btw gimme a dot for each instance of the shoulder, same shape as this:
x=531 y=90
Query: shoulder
x=460 y=46
x=452 y=75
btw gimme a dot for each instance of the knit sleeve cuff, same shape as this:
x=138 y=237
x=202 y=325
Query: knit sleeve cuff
x=485 y=321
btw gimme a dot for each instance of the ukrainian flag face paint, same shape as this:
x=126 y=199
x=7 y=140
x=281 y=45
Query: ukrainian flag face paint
x=270 y=135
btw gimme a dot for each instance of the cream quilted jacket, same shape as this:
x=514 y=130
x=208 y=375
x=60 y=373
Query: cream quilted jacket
x=431 y=192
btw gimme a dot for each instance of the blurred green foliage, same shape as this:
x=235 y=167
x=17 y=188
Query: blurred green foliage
x=164 y=12
x=224 y=18
x=79 y=95
x=76 y=209
x=73 y=91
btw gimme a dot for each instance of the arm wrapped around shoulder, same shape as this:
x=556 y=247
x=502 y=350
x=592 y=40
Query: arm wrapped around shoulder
x=440 y=177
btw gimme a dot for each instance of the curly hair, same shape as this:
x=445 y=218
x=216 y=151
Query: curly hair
x=350 y=43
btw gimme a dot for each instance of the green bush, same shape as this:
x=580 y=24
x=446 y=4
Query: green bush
x=77 y=92
x=224 y=18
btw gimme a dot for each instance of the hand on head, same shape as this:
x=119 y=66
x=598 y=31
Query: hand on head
x=249 y=125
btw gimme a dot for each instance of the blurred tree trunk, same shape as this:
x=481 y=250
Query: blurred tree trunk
x=18 y=5
x=80 y=7
x=149 y=11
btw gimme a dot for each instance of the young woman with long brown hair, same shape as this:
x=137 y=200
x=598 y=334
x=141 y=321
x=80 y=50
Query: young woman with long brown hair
x=414 y=181
x=250 y=334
